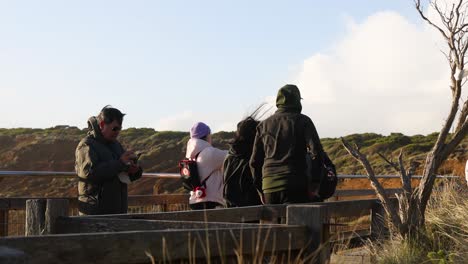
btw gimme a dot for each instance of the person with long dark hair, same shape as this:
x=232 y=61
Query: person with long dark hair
x=239 y=188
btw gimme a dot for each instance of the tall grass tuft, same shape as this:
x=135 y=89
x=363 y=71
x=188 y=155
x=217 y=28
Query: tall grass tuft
x=445 y=238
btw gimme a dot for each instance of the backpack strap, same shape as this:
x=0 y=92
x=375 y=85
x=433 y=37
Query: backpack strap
x=196 y=156
x=203 y=183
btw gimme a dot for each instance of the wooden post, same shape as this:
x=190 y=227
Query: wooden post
x=164 y=207
x=3 y=222
x=313 y=217
x=41 y=215
x=379 y=228
x=35 y=216
x=55 y=208
x=171 y=245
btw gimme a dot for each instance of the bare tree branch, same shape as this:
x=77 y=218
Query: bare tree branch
x=420 y=11
x=440 y=150
x=405 y=178
x=400 y=168
x=446 y=56
x=457 y=12
x=462 y=116
x=391 y=163
x=445 y=20
x=410 y=214
x=457 y=138
x=380 y=191
x=463 y=84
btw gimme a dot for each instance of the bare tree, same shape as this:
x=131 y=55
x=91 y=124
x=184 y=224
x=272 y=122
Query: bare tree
x=412 y=203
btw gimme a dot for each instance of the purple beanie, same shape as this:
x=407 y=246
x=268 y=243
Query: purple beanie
x=199 y=130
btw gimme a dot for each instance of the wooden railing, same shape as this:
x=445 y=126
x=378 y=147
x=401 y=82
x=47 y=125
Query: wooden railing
x=285 y=231
x=164 y=175
x=12 y=209
x=151 y=230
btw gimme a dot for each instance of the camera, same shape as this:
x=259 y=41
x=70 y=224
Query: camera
x=135 y=160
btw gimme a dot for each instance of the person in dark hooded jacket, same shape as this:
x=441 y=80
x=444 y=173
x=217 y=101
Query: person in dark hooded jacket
x=239 y=188
x=278 y=160
x=100 y=162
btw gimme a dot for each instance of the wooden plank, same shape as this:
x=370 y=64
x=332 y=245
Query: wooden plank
x=3 y=222
x=68 y=225
x=237 y=215
x=4 y=203
x=140 y=200
x=164 y=246
x=364 y=192
x=12 y=256
x=348 y=208
x=314 y=217
x=253 y=213
x=19 y=203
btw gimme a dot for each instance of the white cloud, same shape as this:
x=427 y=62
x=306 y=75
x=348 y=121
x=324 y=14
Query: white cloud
x=221 y=120
x=183 y=121
x=178 y=122
x=385 y=75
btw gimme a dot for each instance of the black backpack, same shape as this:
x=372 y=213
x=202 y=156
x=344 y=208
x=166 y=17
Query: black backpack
x=328 y=178
x=188 y=171
x=321 y=170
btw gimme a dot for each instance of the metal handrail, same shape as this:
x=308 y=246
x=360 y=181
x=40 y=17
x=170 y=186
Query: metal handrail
x=159 y=175
x=165 y=175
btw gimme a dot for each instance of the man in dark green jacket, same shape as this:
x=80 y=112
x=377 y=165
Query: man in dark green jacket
x=278 y=161
x=100 y=158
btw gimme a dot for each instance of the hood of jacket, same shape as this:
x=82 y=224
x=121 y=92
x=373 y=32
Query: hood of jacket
x=289 y=99
x=94 y=130
x=195 y=146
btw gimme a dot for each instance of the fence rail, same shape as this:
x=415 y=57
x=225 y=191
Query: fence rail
x=158 y=222
x=190 y=236
x=12 y=208
x=68 y=174
x=164 y=175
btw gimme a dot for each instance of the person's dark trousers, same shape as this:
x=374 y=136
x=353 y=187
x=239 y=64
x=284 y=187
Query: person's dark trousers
x=205 y=205
x=283 y=197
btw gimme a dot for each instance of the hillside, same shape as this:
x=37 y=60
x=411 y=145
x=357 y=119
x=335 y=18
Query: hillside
x=53 y=149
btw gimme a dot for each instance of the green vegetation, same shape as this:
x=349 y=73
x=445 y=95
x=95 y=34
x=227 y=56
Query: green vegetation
x=414 y=149
x=164 y=148
x=53 y=149
x=445 y=239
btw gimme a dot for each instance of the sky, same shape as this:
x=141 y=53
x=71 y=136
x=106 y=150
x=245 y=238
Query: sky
x=361 y=66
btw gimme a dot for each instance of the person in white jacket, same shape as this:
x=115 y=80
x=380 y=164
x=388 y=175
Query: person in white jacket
x=209 y=162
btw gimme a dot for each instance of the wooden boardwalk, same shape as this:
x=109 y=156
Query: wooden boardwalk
x=352 y=256
x=283 y=231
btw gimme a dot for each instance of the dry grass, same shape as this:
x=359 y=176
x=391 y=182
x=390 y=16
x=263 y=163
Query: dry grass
x=263 y=252
x=445 y=239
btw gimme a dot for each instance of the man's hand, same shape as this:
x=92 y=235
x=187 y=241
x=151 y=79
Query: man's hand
x=134 y=168
x=128 y=157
